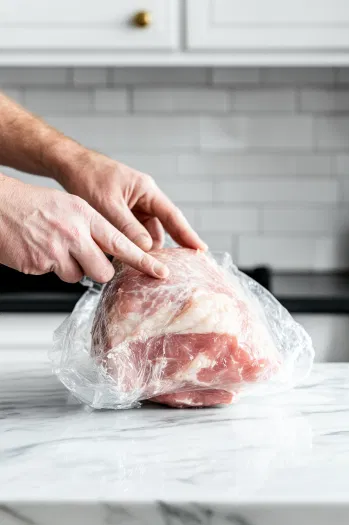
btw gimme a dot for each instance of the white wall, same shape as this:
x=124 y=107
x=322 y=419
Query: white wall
x=257 y=159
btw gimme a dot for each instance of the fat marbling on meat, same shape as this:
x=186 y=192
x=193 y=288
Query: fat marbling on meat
x=193 y=339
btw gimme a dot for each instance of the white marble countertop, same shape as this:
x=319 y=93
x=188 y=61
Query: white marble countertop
x=282 y=460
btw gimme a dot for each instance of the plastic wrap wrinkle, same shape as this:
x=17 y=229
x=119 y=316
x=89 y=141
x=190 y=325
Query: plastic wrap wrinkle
x=204 y=336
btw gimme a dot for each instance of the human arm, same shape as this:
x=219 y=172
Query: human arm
x=129 y=199
x=44 y=230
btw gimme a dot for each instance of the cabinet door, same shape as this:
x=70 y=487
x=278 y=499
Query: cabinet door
x=87 y=25
x=268 y=25
x=28 y=331
x=330 y=335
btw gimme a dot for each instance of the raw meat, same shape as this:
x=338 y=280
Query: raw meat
x=193 y=339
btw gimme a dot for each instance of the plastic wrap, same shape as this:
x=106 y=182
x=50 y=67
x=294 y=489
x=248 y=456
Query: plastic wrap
x=204 y=336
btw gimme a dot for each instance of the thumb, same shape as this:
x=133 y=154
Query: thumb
x=126 y=222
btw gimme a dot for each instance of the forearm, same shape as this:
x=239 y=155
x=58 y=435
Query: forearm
x=29 y=144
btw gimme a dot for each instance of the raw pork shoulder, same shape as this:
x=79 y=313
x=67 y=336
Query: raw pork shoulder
x=193 y=339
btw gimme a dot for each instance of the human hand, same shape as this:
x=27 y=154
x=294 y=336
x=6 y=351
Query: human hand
x=44 y=230
x=129 y=199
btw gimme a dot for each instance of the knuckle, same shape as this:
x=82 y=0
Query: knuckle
x=78 y=205
x=69 y=228
x=148 y=180
x=105 y=275
x=70 y=277
x=26 y=268
x=68 y=232
x=143 y=180
x=52 y=251
x=73 y=233
x=145 y=262
x=127 y=229
x=71 y=274
x=116 y=241
x=42 y=264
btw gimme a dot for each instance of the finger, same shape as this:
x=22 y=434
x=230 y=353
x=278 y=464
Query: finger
x=115 y=243
x=93 y=261
x=69 y=270
x=126 y=222
x=156 y=231
x=174 y=221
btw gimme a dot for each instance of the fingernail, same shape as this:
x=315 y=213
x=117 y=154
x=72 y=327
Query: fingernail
x=161 y=270
x=203 y=246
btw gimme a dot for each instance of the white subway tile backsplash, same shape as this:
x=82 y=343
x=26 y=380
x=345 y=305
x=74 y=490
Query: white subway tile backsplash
x=242 y=133
x=276 y=190
x=293 y=253
x=159 y=76
x=279 y=164
x=283 y=253
x=190 y=214
x=262 y=101
x=131 y=133
x=202 y=100
x=220 y=242
x=322 y=101
x=183 y=192
x=256 y=158
x=332 y=133
x=344 y=188
x=158 y=165
x=342 y=165
x=233 y=76
x=305 y=220
x=14 y=93
x=229 y=220
x=90 y=76
x=301 y=220
x=110 y=100
x=331 y=252
x=33 y=76
x=340 y=219
x=56 y=101
x=298 y=75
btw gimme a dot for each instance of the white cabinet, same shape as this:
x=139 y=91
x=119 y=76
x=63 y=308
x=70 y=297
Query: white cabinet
x=28 y=331
x=268 y=25
x=178 y=32
x=330 y=335
x=87 y=25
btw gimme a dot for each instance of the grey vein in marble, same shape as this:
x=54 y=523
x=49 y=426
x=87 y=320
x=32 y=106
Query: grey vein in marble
x=249 y=464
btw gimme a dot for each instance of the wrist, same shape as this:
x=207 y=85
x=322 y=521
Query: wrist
x=65 y=160
x=73 y=165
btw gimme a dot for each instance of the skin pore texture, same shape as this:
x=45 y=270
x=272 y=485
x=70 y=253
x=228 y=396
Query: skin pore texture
x=108 y=208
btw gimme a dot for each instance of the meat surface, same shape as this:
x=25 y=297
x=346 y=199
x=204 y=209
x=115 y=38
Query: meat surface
x=193 y=339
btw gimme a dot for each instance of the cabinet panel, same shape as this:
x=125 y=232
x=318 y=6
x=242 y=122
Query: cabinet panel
x=28 y=331
x=268 y=25
x=78 y=24
x=269 y=12
x=330 y=335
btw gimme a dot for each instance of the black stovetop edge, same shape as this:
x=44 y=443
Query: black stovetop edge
x=316 y=305
x=64 y=303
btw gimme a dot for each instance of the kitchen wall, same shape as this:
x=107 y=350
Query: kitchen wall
x=257 y=159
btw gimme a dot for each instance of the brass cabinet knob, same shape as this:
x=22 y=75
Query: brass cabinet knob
x=142 y=19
